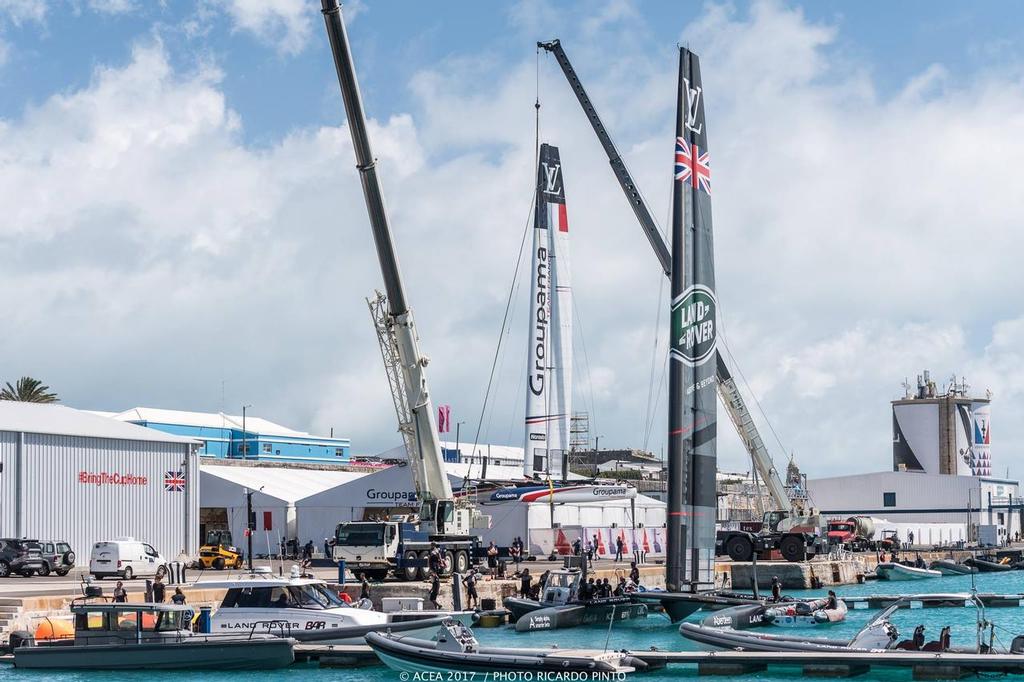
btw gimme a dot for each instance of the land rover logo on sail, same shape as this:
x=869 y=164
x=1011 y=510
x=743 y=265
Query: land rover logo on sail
x=694 y=325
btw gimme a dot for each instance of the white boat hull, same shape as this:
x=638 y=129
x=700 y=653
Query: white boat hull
x=890 y=571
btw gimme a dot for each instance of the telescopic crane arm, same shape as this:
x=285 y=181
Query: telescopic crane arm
x=727 y=389
x=427 y=462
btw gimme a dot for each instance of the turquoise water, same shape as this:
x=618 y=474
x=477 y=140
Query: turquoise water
x=656 y=631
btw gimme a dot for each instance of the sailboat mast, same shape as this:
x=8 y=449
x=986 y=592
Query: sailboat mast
x=692 y=504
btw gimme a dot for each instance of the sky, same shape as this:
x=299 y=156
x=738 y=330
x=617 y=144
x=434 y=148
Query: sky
x=183 y=226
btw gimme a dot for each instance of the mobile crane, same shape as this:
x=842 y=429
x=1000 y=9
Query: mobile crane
x=400 y=545
x=786 y=528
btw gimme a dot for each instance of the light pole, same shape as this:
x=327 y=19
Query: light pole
x=245 y=444
x=250 y=523
x=458 y=452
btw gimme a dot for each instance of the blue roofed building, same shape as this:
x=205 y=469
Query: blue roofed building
x=225 y=436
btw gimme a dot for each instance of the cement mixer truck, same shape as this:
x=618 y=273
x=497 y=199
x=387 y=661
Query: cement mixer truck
x=858 y=534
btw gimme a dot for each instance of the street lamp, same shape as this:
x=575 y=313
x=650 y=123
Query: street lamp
x=250 y=521
x=245 y=445
x=458 y=452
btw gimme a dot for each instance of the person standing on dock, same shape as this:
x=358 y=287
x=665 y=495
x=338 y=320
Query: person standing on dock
x=364 y=589
x=525 y=583
x=159 y=589
x=597 y=547
x=776 y=589
x=472 y=599
x=492 y=560
x=516 y=551
x=590 y=553
x=120 y=594
x=634 y=573
x=435 y=589
x=619 y=544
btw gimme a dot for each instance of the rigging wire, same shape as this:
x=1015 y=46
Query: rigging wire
x=515 y=275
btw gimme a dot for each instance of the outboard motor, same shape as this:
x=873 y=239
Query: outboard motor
x=24 y=638
x=454 y=636
x=878 y=636
x=1017 y=645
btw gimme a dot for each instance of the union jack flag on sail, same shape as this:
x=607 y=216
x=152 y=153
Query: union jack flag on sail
x=174 y=481
x=692 y=165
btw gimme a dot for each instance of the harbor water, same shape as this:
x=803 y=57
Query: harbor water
x=654 y=631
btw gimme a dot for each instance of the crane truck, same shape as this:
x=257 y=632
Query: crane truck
x=786 y=529
x=399 y=545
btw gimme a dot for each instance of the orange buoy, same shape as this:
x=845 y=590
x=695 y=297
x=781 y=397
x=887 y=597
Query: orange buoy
x=54 y=629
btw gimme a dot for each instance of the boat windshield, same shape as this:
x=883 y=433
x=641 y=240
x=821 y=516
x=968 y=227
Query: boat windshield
x=312 y=596
x=315 y=596
x=561 y=580
x=360 y=535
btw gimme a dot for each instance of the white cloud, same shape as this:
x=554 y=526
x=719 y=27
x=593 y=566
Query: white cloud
x=149 y=253
x=113 y=6
x=284 y=24
x=19 y=12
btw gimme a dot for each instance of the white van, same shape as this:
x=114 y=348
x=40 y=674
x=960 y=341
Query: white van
x=125 y=558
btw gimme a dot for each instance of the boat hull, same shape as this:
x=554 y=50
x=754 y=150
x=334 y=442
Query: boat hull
x=573 y=615
x=241 y=654
x=891 y=571
x=947 y=567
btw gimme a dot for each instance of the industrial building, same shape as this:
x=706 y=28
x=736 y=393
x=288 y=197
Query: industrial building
x=243 y=437
x=69 y=475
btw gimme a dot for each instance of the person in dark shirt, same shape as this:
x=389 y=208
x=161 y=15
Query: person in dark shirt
x=619 y=546
x=159 y=590
x=620 y=589
x=634 y=573
x=472 y=599
x=606 y=588
x=178 y=597
x=525 y=581
x=435 y=590
x=833 y=601
x=364 y=588
x=120 y=594
x=776 y=589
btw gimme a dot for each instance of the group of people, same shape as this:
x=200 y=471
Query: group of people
x=159 y=592
x=590 y=549
x=290 y=549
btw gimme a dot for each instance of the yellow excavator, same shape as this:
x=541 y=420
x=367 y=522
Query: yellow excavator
x=219 y=552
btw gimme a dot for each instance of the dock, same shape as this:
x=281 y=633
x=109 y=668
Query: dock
x=924 y=665
x=881 y=601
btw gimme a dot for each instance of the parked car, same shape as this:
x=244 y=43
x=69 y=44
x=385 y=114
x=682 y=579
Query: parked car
x=23 y=557
x=125 y=558
x=57 y=558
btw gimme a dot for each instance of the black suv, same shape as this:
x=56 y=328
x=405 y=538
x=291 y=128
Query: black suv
x=57 y=558
x=20 y=556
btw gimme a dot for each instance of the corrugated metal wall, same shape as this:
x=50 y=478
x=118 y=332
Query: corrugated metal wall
x=8 y=483
x=66 y=496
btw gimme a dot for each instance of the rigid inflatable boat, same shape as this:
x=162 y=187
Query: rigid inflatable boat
x=892 y=571
x=950 y=567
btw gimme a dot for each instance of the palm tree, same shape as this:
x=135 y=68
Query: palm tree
x=28 y=390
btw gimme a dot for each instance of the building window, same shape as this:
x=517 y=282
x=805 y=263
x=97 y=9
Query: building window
x=339 y=452
x=244 y=449
x=267 y=448
x=888 y=499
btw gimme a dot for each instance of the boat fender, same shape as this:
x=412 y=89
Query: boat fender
x=635 y=663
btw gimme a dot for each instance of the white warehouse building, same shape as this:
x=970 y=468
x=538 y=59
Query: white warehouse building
x=68 y=475
x=907 y=497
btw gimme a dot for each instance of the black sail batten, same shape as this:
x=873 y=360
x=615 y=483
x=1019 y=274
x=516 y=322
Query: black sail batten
x=692 y=463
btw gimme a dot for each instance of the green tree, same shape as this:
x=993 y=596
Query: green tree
x=28 y=390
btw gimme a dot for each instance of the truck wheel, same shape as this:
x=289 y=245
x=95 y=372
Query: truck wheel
x=793 y=548
x=461 y=561
x=218 y=563
x=739 y=548
x=424 y=573
x=377 y=575
x=409 y=573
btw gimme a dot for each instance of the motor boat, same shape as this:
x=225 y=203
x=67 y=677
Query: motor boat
x=455 y=649
x=987 y=565
x=890 y=570
x=120 y=636
x=880 y=635
x=561 y=607
x=951 y=567
x=310 y=611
